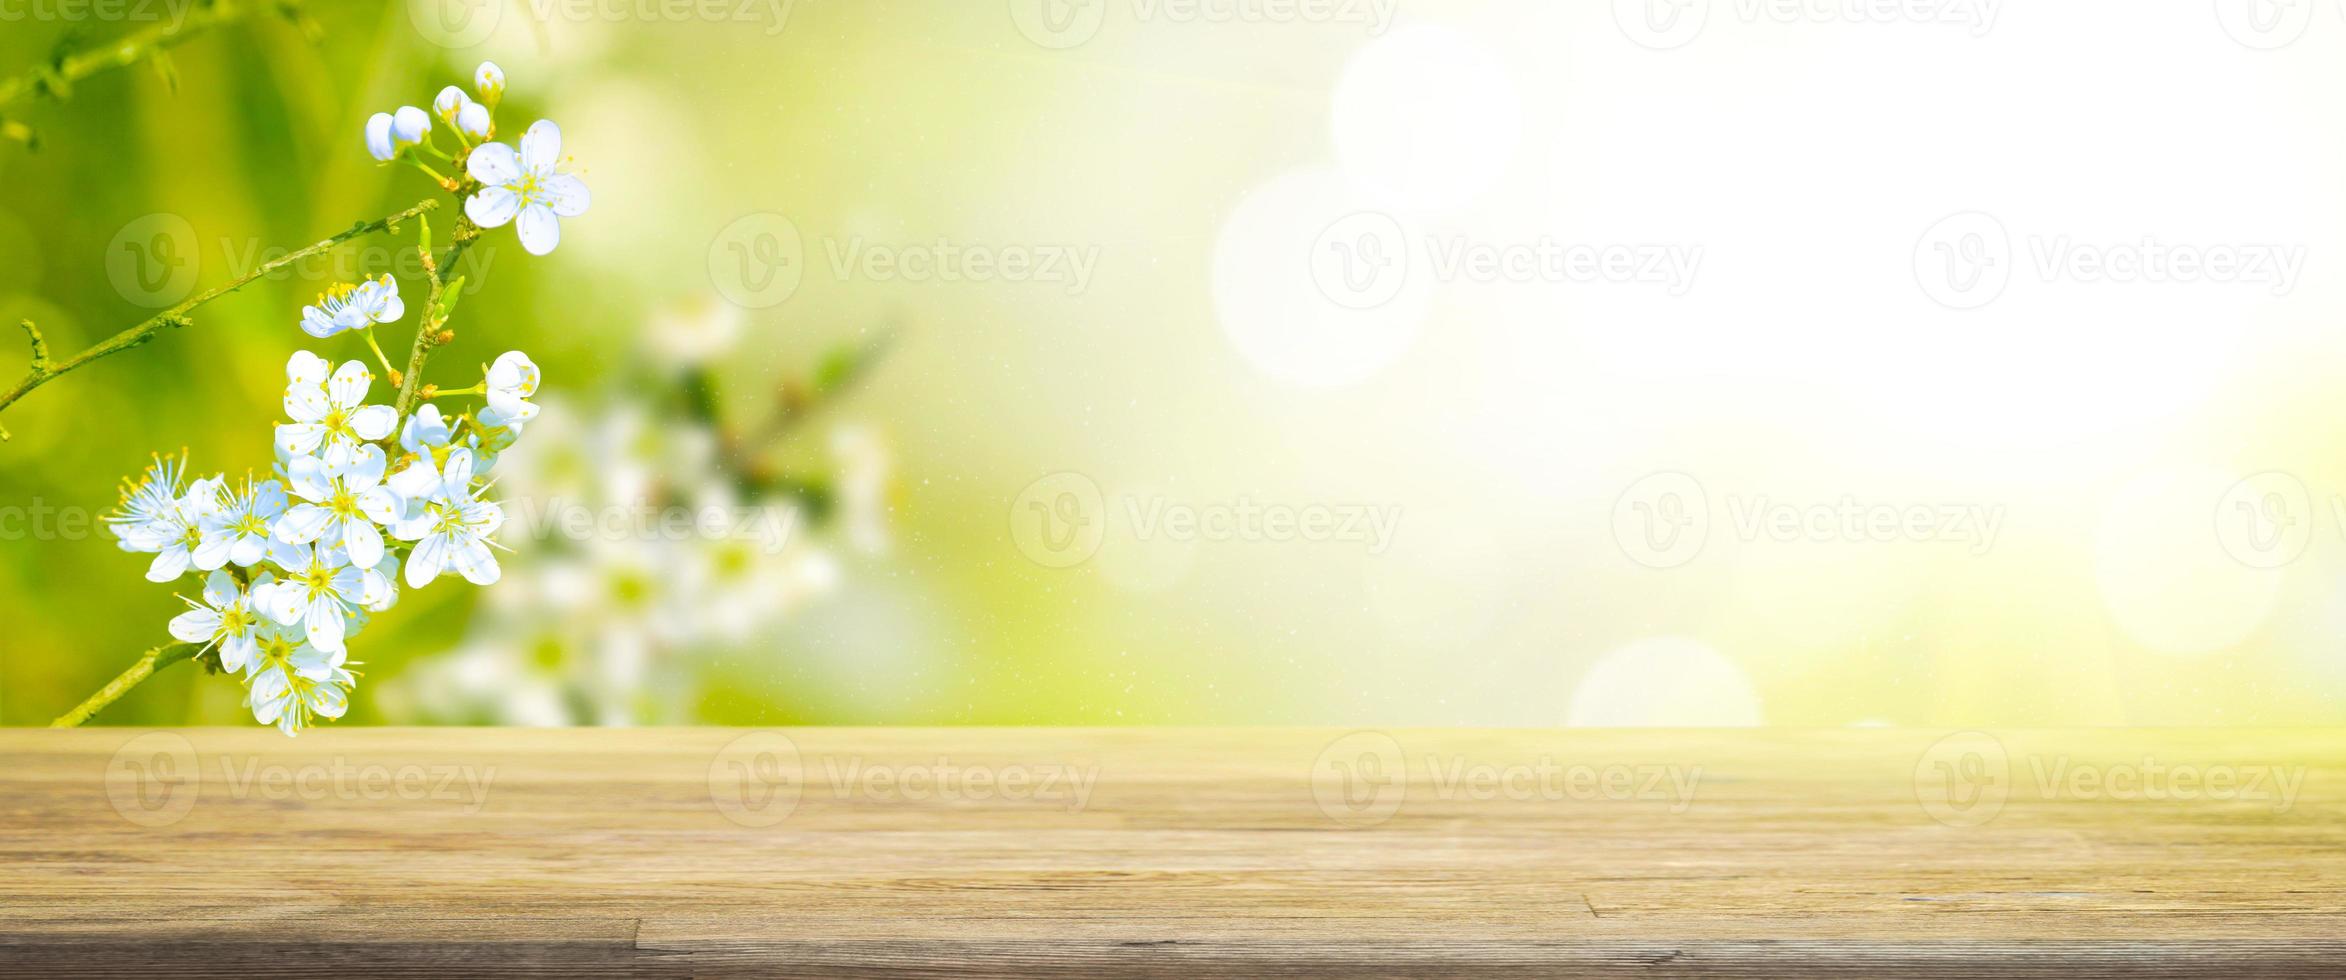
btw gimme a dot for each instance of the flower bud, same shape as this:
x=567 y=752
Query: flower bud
x=409 y=126
x=473 y=120
x=379 y=143
x=489 y=81
x=448 y=103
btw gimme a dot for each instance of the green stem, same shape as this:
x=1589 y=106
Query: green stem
x=431 y=321
x=57 y=77
x=44 y=371
x=147 y=664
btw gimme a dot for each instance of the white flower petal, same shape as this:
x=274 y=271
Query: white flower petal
x=426 y=561
x=302 y=524
x=348 y=390
x=475 y=562
x=541 y=147
x=305 y=369
x=493 y=164
x=170 y=564
x=566 y=194
x=374 y=422
x=363 y=541
x=195 y=625
x=322 y=621
x=540 y=231
x=492 y=206
x=318 y=323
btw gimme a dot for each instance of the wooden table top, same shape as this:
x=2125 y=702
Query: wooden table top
x=1207 y=852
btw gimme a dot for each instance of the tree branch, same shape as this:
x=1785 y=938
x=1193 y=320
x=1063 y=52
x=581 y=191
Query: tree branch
x=431 y=325
x=148 y=662
x=57 y=77
x=44 y=371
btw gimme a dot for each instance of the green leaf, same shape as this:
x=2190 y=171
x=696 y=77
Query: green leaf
x=449 y=294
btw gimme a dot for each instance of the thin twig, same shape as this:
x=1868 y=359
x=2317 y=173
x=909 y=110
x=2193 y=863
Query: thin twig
x=44 y=371
x=57 y=77
x=148 y=663
x=431 y=325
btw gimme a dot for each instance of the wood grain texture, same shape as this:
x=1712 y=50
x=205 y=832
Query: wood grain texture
x=1224 y=852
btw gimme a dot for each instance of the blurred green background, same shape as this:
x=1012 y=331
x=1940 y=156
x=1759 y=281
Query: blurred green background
x=1503 y=425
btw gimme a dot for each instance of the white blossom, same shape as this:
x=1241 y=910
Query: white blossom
x=332 y=414
x=379 y=142
x=145 y=519
x=292 y=681
x=185 y=530
x=424 y=431
x=489 y=81
x=409 y=127
x=525 y=186
x=224 y=618
x=343 y=501
x=321 y=592
x=450 y=529
x=353 y=306
x=512 y=380
x=238 y=531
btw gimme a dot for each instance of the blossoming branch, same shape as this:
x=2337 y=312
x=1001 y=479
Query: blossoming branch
x=362 y=496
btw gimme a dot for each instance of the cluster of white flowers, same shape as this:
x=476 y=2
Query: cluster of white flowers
x=604 y=618
x=293 y=564
x=359 y=499
x=526 y=188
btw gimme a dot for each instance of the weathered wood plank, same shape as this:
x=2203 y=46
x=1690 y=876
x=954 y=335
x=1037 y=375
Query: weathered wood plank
x=697 y=852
